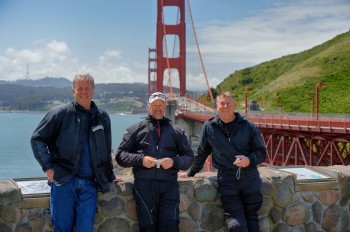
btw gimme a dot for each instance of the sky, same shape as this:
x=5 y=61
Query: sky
x=110 y=38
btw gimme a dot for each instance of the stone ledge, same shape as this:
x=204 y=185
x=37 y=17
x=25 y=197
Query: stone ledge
x=284 y=209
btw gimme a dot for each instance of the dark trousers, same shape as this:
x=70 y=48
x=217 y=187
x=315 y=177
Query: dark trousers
x=157 y=205
x=241 y=198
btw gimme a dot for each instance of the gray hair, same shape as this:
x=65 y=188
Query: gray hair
x=86 y=76
x=224 y=94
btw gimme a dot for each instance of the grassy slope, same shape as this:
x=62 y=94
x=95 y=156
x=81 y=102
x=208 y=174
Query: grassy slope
x=294 y=76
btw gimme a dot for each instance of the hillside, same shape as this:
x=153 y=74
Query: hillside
x=43 y=94
x=294 y=77
x=113 y=97
x=59 y=82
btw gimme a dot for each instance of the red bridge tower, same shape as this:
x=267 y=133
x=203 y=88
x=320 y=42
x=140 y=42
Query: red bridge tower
x=164 y=62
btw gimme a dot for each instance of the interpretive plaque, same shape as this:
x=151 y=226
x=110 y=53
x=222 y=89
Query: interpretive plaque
x=34 y=192
x=307 y=178
x=305 y=173
x=30 y=187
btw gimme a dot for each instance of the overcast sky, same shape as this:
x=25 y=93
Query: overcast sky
x=110 y=38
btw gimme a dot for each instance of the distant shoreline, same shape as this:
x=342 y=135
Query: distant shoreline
x=44 y=111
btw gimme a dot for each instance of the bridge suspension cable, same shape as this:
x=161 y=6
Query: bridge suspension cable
x=199 y=53
x=198 y=50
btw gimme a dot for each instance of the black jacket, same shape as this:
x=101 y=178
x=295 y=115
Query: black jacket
x=141 y=139
x=58 y=142
x=242 y=138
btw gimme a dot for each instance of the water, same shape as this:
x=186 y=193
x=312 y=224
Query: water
x=16 y=157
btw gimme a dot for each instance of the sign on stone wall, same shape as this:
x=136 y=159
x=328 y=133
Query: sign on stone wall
x=34 y=192
x=32 y=186
x=308 y=178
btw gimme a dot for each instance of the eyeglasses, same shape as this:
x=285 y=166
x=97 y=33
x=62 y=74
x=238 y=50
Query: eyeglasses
x=156 y=96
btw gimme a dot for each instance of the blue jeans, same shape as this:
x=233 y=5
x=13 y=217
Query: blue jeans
x=73 y=204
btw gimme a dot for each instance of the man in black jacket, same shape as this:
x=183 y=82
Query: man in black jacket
x=73 y=145
x=237 y=148
x=157 y=150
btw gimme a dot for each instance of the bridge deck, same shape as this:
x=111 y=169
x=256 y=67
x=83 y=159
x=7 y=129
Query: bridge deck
x=290 y=140
x=304 y=124
x=290 y=123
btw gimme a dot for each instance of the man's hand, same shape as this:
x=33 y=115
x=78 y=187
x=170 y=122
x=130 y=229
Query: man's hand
x=149 y=162
x=49 y=173
x=118 y=179
x=242 y=161
x=167 y=163
x=182 y=174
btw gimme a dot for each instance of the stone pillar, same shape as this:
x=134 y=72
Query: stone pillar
x=170 y=110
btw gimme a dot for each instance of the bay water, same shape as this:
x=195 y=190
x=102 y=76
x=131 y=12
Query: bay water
x=16 y=156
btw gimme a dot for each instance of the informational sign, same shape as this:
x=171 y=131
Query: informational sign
x=32 y=186
x=305 y=173
x=307 y=178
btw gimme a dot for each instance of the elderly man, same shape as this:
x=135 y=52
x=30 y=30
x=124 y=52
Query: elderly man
x=237 y=148
x=157 y=150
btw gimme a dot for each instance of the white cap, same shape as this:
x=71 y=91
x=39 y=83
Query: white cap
x=156 y=96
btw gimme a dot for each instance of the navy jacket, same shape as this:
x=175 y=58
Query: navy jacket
x=243 y=138
x=58 y=142
x=141 y=139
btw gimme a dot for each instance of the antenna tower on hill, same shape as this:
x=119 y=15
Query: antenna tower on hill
x=27 y=73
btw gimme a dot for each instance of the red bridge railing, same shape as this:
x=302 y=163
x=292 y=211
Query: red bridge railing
x=298 y=140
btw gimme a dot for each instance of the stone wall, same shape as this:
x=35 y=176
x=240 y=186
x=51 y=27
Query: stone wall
x=284 y=209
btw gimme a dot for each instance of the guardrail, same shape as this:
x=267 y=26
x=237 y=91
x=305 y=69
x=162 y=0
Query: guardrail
x=307 y=124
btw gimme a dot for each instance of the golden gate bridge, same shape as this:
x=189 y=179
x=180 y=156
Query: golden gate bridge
x=290 y=140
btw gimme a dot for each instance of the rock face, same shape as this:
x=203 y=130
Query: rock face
x=283 y=208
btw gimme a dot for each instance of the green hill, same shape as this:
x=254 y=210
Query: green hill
x=294 y=78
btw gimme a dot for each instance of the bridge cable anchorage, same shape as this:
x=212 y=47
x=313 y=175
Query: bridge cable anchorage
x=199 y=53
x=167 y=54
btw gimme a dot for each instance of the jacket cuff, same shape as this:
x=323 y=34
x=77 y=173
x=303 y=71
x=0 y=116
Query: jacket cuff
x=251 y=162
x=46 y=167
x=175 y=162
x=190 y=173
x=111 y=178
x=139 y=161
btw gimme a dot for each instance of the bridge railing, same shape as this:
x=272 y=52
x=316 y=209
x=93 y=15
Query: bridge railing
x=293 y=123
x=302 y=123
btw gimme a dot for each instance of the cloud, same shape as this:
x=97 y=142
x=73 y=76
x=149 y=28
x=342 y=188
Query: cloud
x=26 y=55
x=54 y=59
x=286 y=28
x=43 y=59
x=108 y=55
x=58 y=47
x=112 y=53
x=57 y=50
x=198 y=82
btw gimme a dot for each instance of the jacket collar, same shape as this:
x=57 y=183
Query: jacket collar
x=150 y=119
x=238 y=118
x=93 y=109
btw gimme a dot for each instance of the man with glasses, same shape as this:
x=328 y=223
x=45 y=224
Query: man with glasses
x=72 y=144
x=157 y=150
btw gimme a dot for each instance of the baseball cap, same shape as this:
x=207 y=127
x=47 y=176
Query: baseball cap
x=156 y=96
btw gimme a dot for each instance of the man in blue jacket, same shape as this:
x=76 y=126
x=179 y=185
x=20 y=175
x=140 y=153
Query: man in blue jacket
x=237 y=148
x=72 y=144
x=157 y=150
